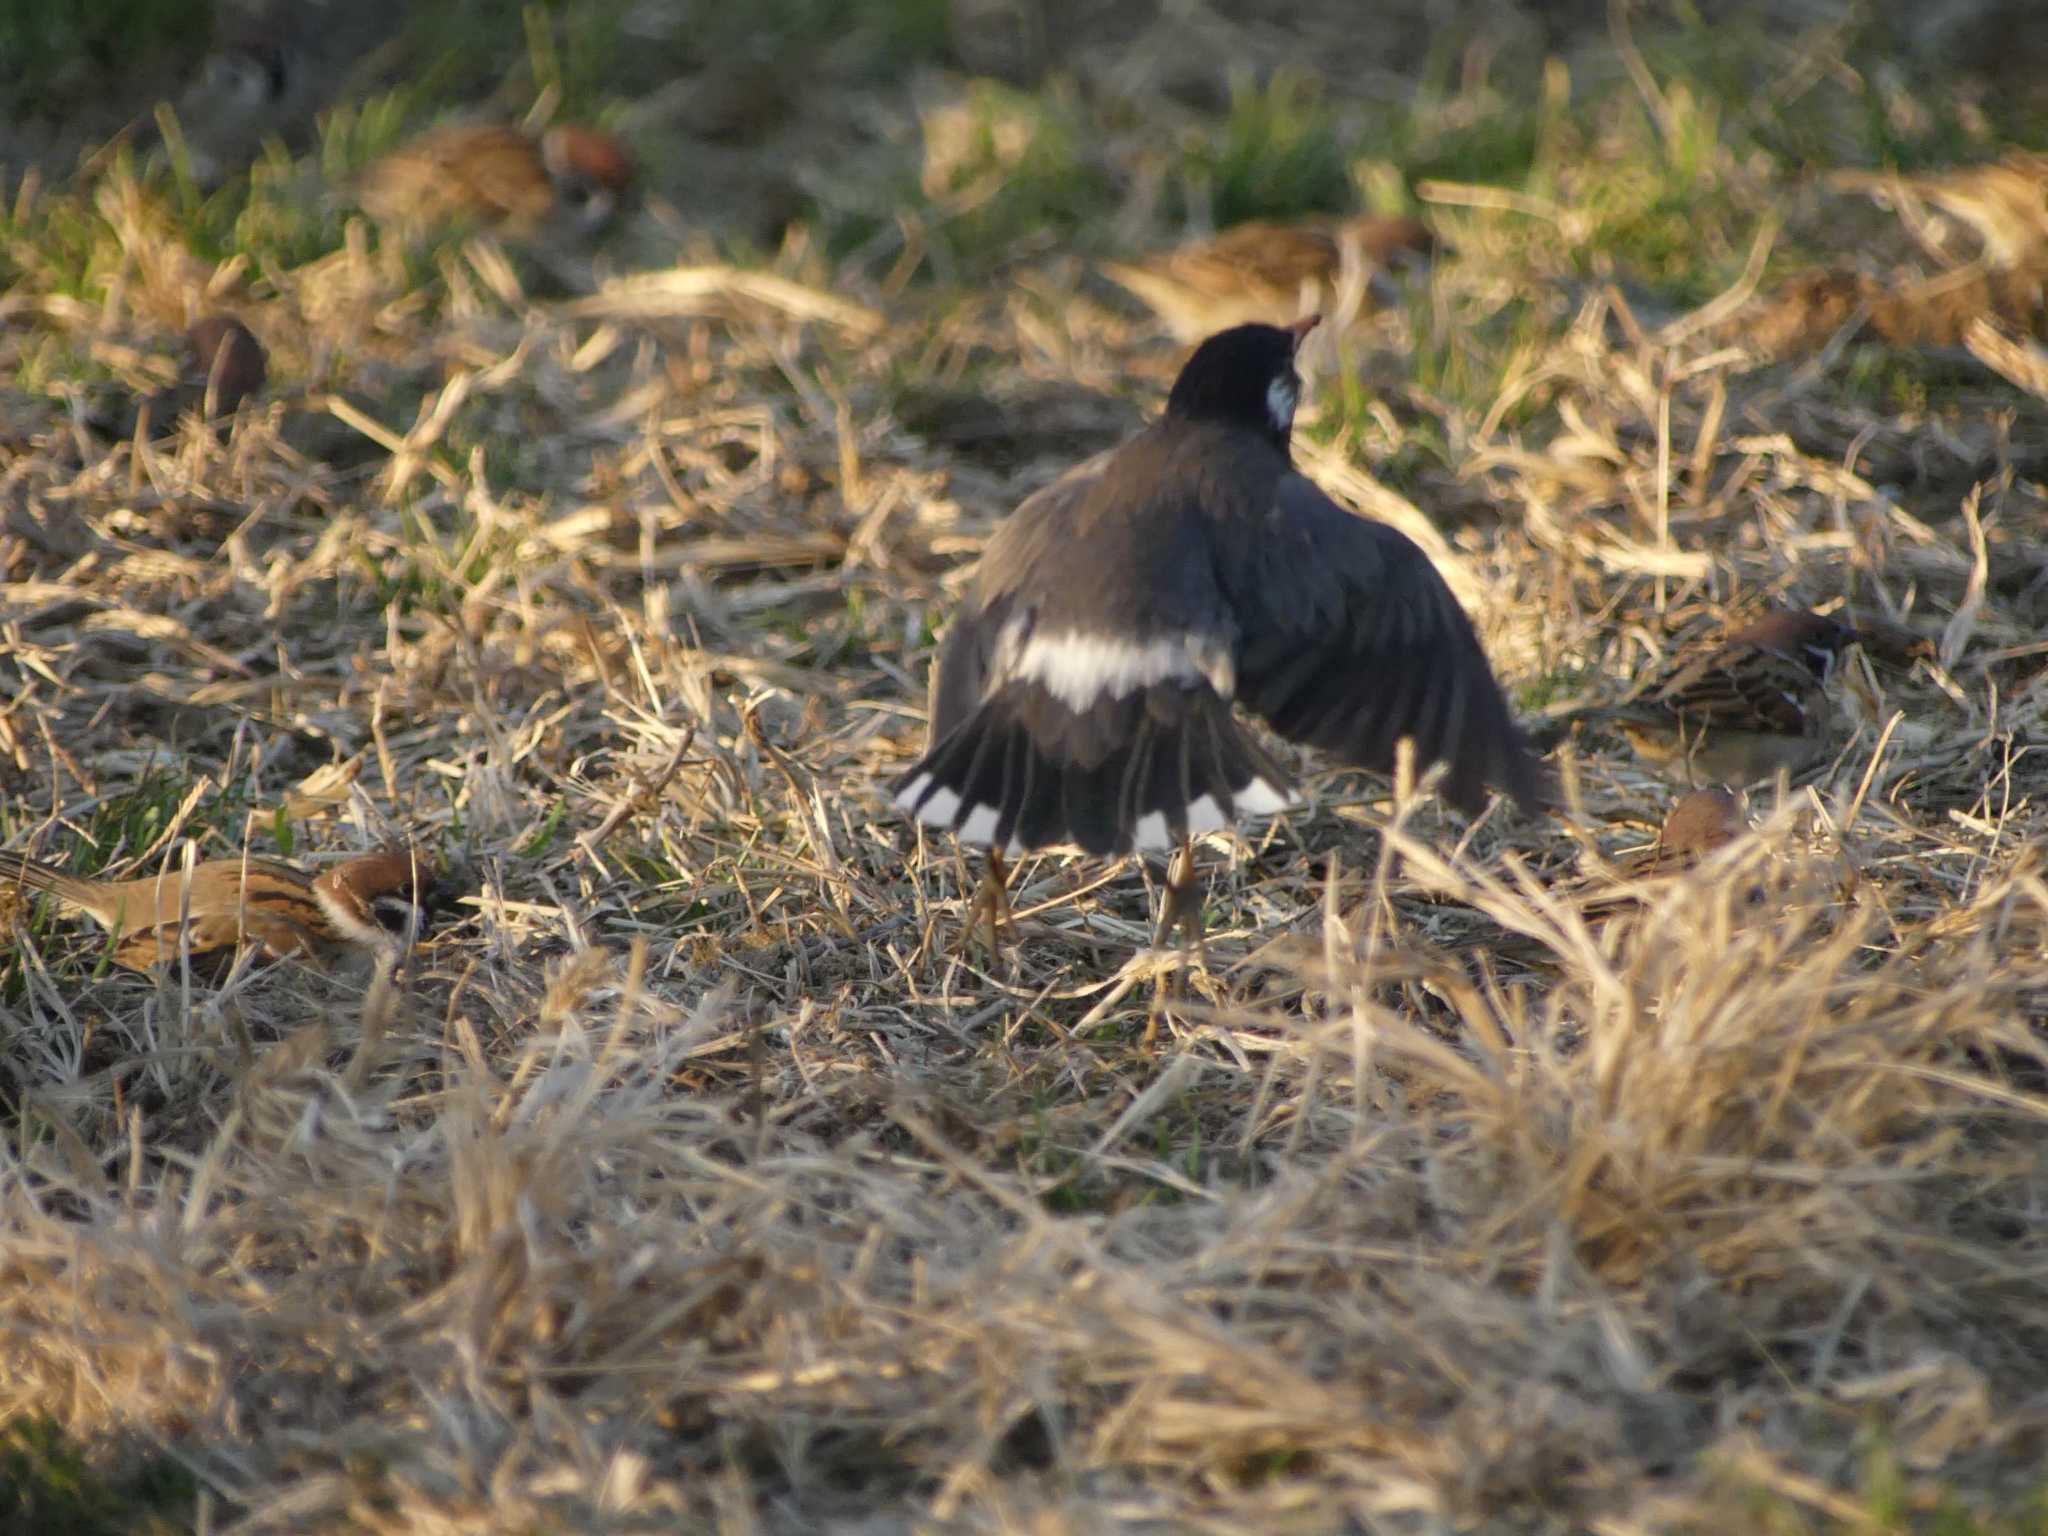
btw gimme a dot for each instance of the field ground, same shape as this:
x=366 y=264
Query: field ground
x=686 y=1177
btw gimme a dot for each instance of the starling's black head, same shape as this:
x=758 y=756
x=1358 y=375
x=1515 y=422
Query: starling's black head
x=1244 y=376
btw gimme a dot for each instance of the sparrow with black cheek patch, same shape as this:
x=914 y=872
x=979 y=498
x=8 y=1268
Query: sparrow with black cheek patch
x=370 y=902
x=1735 y=712
x=1272 y=272
x=1084 y=692
x=564 y=187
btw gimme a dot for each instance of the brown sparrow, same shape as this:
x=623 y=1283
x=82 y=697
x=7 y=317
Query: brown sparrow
x=366 y=902
x=224 y=364
x=1274 y=272
x=565 y=186
x=1808 y=308
x=273 y=67
x=1736 y=712
x=1801 y=313
x=1702 y=821
x=2004 y=202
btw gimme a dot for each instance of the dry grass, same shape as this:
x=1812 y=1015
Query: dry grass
x=688 y=1180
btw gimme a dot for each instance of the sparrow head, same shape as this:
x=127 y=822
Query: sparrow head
x=1394 y=241
x=592 y=172
x=1702 y=821
x=1244 y=377
x=224 y=358
x=249 y=70
x=375 y=899
x=1807 y=638
x=239 y=93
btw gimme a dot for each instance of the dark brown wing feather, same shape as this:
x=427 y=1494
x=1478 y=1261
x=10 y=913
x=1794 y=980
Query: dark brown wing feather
x=1351 y=641
x=1741 y=684
x=960 y=670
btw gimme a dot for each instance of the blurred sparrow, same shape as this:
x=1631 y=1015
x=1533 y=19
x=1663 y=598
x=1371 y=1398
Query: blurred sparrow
x=368 y=902
x=1805 y=311
x=1702 y=821
x=239 y=94
x=562 y=188
x=273 y=67
x=223 y=365
x=2004 y=202
x=1699 y=824
x=1274 y=272
x=1735 y=712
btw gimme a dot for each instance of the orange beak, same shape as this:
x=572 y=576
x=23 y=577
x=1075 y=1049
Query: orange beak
x=1300 y=329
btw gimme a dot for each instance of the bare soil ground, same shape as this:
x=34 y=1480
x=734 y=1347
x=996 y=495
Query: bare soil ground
x=688 y=1175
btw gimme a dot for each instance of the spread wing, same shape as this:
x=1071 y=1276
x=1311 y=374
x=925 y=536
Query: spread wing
x=960 y=670
x=1083 y=693
x=1350 y=640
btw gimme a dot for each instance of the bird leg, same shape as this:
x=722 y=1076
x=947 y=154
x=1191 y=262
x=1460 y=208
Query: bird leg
x=1180 y=907
x=991 y=897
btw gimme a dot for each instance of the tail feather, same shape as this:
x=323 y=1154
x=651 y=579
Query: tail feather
x=979 y=784
x=1136 y=771
x=1029 y=809
x=1174 y=763
x=1160 y=814
x=19 y=869
x=1440 y=717
x=1208 y=765
x=1088 y=803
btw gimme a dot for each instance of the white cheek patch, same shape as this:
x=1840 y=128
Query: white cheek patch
x=1078 y=668
x=1282 y=396
x=348 y=920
